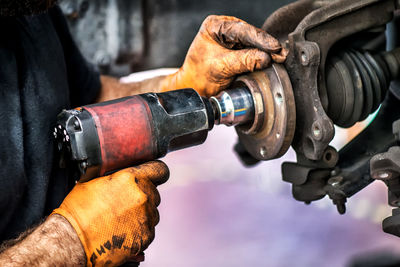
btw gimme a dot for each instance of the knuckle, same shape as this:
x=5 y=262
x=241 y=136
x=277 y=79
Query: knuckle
x=162 y=164
x=157 y=217
x=152 y=234
x=216 y=21
x=142 y=199
x=210 y=18
x=209 y=24
x=145 y=198
x=148 y=237
x=157 y=198
x=207 y=21
x=159 y=166
x=125 y=173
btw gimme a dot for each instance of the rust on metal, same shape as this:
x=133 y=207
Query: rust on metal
x=272 y=131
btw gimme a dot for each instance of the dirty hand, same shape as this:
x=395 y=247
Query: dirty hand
x=224 y=47
x=114 y=216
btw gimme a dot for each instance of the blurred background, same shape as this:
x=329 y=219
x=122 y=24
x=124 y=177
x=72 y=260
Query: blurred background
x=214 y=211
x=124 y=36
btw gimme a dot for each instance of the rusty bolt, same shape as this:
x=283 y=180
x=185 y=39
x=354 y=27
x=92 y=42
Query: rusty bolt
x=304 y=58
x=335 y=181
x=382 y=175
x=316 y=131
x=334 y=172
x=263 y=151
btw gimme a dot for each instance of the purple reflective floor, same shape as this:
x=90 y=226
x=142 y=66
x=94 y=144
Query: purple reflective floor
x=215 y=212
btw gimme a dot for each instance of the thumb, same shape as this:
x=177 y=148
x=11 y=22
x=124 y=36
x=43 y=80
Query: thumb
x=156 y=171
x=247 y=60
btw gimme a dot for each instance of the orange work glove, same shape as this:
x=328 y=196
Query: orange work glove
x=224 y=47
x=114 y=216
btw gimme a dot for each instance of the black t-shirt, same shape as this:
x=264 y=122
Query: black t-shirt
x=41 y=73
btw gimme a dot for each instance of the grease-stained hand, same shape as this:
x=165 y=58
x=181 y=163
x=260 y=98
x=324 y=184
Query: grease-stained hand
x=223 y=48
x=114 y=216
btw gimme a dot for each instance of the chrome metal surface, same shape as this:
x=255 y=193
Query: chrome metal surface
x=233 y=107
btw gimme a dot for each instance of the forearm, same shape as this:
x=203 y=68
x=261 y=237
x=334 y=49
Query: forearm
x=54 y=243
x=112 y=88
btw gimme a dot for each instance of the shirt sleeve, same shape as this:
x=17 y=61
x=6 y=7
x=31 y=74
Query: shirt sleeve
x=83 y=77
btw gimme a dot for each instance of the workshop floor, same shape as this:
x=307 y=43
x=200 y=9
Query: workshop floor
x=215 y=212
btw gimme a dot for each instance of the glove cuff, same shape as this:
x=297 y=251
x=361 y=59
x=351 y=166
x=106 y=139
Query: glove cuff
x=169 y=82
x=79 y=232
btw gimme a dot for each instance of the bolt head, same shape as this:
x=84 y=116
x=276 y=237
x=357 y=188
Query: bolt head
x=395 y=203
x=77 y=125
x=316 y=132
x=263 y=151
x=304 y=58
x=335 y=181
x=382 y=175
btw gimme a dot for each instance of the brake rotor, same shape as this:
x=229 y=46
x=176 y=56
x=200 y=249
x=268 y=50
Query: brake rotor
x=271 y=133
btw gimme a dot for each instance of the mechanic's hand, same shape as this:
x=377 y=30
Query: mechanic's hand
x=114 y=216
x=224 y=47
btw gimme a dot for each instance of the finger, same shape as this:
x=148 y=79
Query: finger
x=247 y=60
x=144 y=241
x=150 y=190
x=281 y=57
x=156 y=217
x=153 y=216
x=156 y=171
x=137 y=258
x=233 y=32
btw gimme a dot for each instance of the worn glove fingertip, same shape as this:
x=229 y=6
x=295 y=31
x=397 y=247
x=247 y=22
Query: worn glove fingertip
x=159 y=171
x=281 y=57
x=261 y=60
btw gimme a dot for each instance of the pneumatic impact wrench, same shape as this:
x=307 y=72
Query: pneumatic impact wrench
x=98 y=139
x=108 y=136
